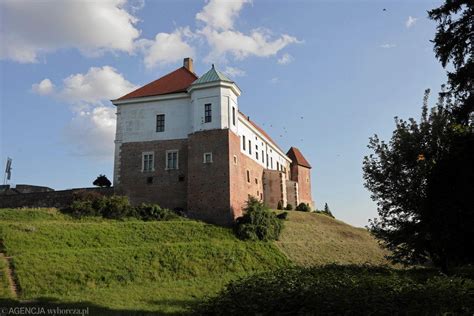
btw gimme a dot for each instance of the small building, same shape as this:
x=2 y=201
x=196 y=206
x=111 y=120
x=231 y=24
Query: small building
x=183 y=143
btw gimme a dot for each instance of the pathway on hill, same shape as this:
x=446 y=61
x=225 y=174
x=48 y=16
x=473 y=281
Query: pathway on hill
x=10 y=274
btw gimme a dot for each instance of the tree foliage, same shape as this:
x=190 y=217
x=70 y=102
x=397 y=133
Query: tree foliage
x=102 y=181
x=258 y=222
x=423 y=210
x=453 y=44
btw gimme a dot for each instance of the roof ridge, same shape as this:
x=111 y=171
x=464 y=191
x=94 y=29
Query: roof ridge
x=175 y=81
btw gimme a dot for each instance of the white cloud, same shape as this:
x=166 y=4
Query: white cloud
x=92 y=133
x=219 y=17
x=234 y=72
x=44 y=87
x=285 y=59
x=410 y=21
x=239 y=45
x=92 y=128
x=98 y=84
x=388 y=45
x=167 y=47
x=220 y=14
x=32 y=28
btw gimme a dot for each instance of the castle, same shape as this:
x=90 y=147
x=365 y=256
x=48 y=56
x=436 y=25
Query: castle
x=181 y=142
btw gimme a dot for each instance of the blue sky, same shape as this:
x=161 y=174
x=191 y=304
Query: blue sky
x=329 y=73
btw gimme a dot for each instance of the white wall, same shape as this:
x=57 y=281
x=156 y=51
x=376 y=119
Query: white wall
x=136 y=122
x=251 y=133
x=222 y=99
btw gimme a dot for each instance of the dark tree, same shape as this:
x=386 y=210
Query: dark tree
x=453 y=45
x=327 y=210
x=102 y=181
x=425 y=214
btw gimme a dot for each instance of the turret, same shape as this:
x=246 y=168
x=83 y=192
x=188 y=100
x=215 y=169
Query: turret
x=214 y=102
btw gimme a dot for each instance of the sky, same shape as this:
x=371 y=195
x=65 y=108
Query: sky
x=323 y=76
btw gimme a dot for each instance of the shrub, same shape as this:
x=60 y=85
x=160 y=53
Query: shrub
x=344 y=290
x=86 y=203
x=81 y=208
x=153 y=212
x=280 y=205
x=258 y=222
x=289 y=207
x=283 y=216
x=116 y=206
x=303 y=207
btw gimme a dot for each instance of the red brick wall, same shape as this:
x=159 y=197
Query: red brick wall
x=304 y=185
x=166 y=190
x=240 y=188
x=208 y=183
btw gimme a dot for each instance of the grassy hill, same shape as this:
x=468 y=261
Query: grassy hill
x=125 y=265
x=162 y=267
x=317 y=239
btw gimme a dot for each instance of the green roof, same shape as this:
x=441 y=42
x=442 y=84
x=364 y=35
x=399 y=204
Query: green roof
x=212 y=76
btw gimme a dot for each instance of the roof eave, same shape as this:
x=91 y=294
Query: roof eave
x=160 y=97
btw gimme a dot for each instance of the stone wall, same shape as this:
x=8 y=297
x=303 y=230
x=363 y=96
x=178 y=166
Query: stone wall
x=168 y=188
x=241 y=187
x=274 y=186
x=59 y=199
x=209 y=183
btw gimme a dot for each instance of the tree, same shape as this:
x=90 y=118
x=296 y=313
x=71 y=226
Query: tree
x=454 y=43
x=421 y=217
x=102 y=181
x=327 y=210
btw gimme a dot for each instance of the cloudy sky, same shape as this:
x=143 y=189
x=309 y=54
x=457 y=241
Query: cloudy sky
x=319 y=75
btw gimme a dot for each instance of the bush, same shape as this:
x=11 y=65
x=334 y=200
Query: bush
x=289 y=207
x=116 y=207
x=81 y=208
x=258 y=222
x=344 y=290
x=303 y=207
x=280 y=205
x=153 y=212
x=283 y=216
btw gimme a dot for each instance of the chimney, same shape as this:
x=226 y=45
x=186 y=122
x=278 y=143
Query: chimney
x=188 y=64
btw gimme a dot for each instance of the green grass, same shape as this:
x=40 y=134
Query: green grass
x=163 y=267
x=126 y=265
x=315 y=239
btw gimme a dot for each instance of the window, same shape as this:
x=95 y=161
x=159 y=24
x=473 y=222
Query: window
x=263 y=157
x=248 y=176
x=278 y=166
x=207 y=113
x=256 y=181
x=250 y=147
x=267 y=160
x=256 y=154
x=207 y=158
x=271 y=162
x=181 y=178
x=147 y=162
x=233 y=116
x=243 y=142
x=160 y=123
x=235 y=159
x=149 y=180
x=171 y=159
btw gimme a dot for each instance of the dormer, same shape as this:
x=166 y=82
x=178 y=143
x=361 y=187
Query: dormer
x=214 y=102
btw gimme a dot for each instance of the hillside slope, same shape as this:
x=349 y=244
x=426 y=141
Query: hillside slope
x=316 y=239
x=126 y=265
